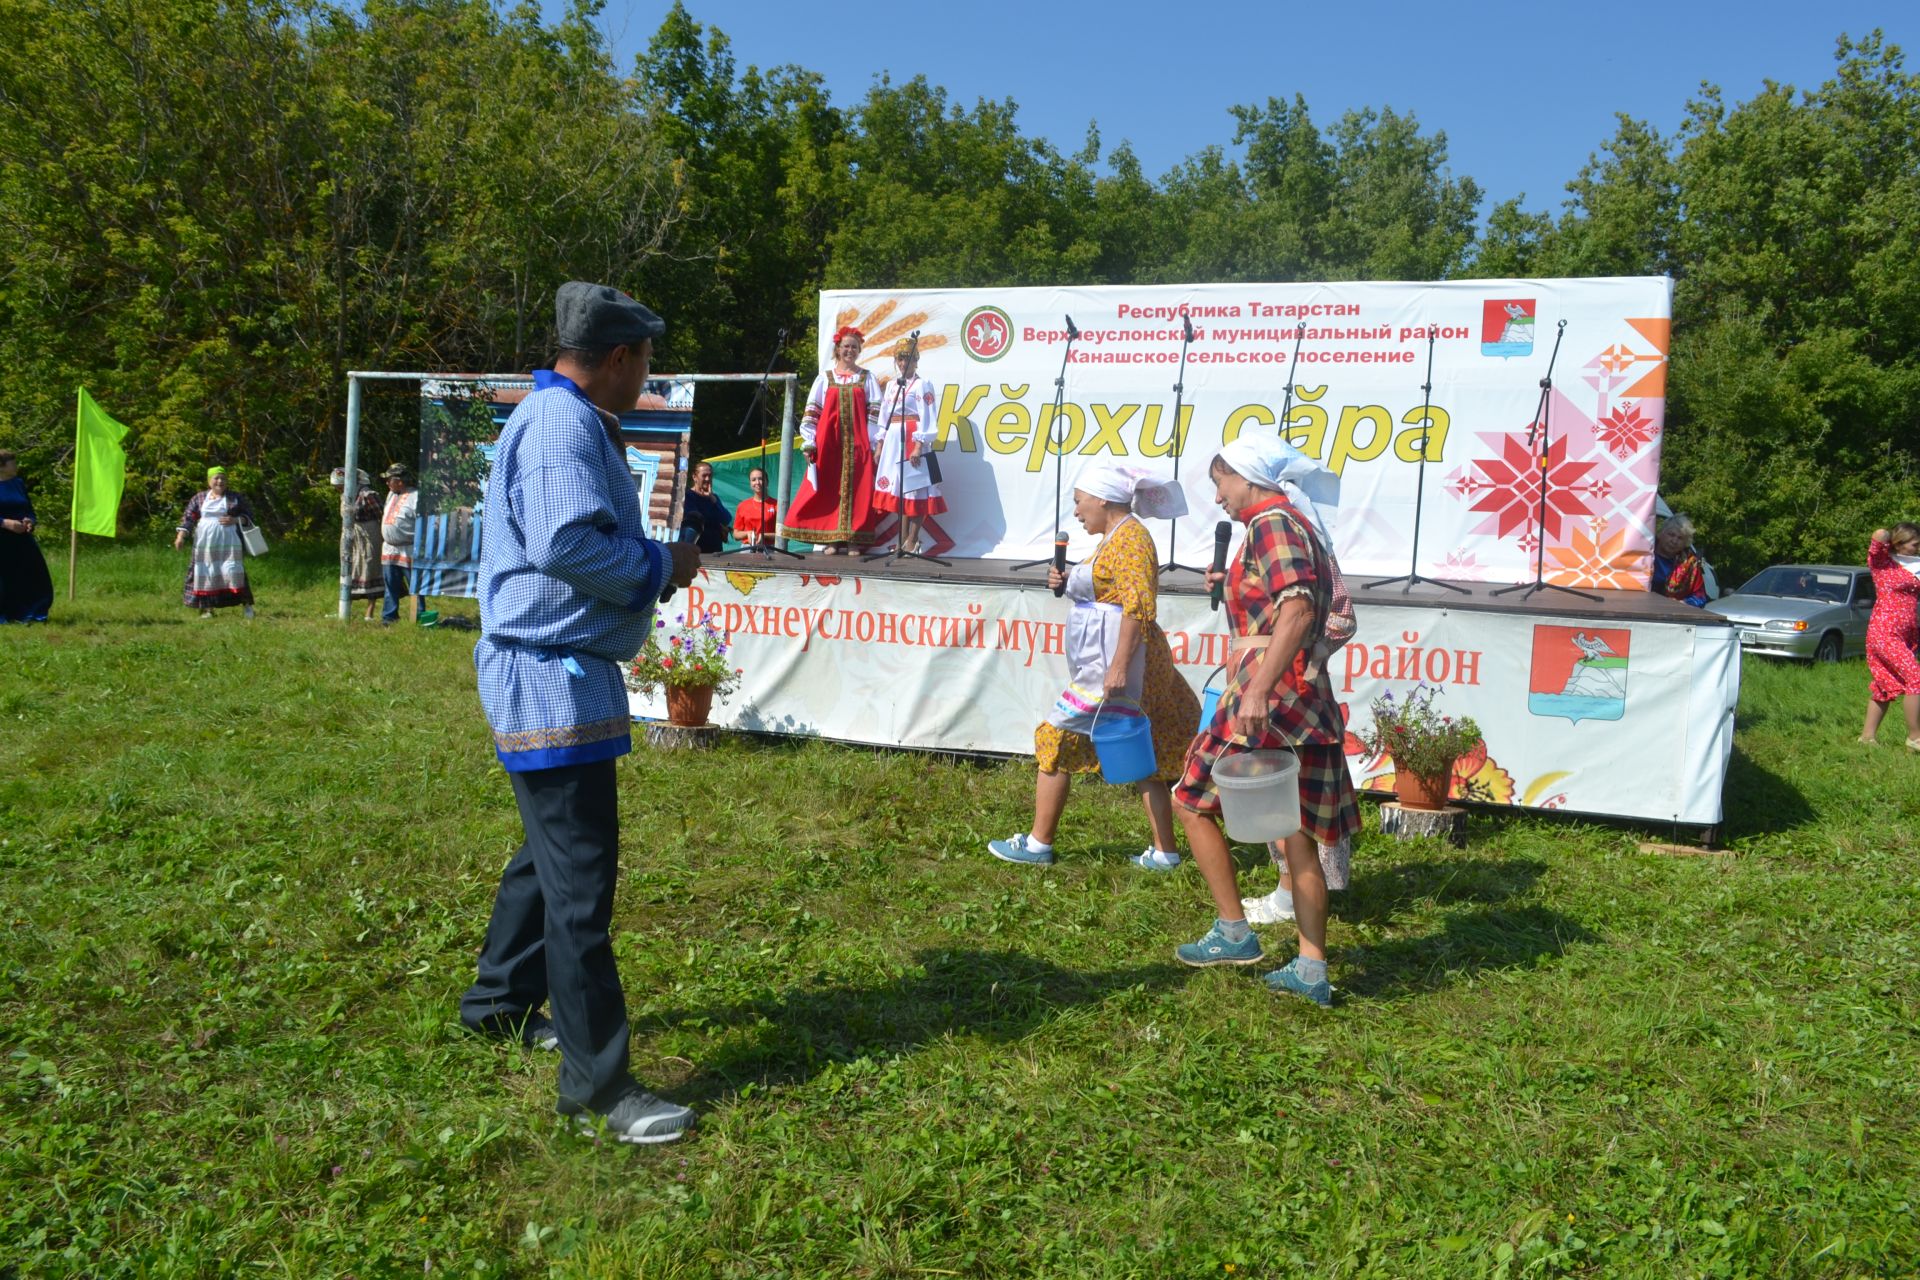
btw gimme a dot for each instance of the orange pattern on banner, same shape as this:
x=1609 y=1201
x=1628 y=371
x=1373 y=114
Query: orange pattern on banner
x=1654 y=382
x=1591 y=561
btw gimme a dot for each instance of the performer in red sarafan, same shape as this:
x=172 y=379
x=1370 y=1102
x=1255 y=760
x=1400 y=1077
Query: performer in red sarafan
x=834 y=508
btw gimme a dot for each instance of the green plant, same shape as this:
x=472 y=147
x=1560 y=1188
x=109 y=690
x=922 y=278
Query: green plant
x=1421 y=740
x=693 y=655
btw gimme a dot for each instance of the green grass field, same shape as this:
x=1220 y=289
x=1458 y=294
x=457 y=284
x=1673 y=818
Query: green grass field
x=246 y=868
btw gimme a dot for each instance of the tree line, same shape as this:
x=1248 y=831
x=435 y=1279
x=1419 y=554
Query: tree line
x=210 y=211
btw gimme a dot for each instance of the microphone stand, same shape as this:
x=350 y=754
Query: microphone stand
x=765 y=543
x=1179 y=447
x=1286 y=405
x=1057 y=437
x=1413 y=575
x=899 y=415
x=1542 y=428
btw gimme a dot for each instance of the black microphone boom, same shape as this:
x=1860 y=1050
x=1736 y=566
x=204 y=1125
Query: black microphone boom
x=1071 y=331
x=1222 y=535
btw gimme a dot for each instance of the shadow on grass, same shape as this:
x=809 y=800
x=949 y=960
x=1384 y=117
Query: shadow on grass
x=795 y=1035
x=1758 y=801
x=1491 y=939
x=1381 y=894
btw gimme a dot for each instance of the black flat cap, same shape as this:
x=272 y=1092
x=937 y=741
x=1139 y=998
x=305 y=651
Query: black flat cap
x=590 y=317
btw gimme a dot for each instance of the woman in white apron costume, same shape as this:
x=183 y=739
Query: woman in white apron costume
x=1118 y=661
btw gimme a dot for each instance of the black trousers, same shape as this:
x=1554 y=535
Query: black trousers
x=549 y=941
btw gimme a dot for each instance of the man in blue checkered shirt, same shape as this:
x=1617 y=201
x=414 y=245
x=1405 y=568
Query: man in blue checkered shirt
x=568 y=582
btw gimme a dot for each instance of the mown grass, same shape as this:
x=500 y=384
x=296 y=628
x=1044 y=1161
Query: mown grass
x=246 y=869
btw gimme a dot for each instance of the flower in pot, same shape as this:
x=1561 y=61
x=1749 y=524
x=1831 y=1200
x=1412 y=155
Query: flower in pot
x=1423 y=742
x=689 y=660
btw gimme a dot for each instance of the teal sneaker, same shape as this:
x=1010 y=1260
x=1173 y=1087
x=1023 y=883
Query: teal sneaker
x=1019 y=849
x=1215 y=949
x=1286 y=980
x=1156 y=860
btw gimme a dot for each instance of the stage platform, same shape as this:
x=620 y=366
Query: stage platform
x=1619 y=706
x=1622 y=606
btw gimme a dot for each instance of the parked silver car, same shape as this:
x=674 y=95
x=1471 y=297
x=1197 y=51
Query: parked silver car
x=1816 y=611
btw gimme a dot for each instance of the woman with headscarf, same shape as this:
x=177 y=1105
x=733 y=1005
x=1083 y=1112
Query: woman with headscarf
x=905 y=462
x=834 y=508
x=26 y=588
x=1119 y=660
x=364 y=581
x=1279 y=598
x=217 y=570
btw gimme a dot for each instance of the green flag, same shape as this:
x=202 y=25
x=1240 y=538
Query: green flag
x=99 y=470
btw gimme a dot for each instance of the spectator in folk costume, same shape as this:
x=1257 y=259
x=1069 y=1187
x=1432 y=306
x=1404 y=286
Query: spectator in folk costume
x=907 y=415
x=1279 y=595
x=1678 y=572
x=364 y=578
x=834 y=508
x=1119 y=662
x=1893 y=556
x=216 y=569
x=26 y=588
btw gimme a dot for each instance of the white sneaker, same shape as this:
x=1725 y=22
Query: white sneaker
x=1275 y=908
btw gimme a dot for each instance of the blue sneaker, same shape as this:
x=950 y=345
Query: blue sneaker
x=1156 y=860
x=1215 y=949
x=1287 y=980
x=1019 y=849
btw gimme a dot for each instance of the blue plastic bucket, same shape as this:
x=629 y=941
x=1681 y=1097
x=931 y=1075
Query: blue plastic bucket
x=1125 y=747
x=1210 y=699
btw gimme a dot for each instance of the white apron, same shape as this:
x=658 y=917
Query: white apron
x=1093 y=631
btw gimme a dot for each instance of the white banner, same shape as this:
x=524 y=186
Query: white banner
x=995 y=355
x=1632 y=720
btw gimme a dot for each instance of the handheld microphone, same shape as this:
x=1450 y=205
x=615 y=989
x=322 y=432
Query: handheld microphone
x=690 y=528
x=1071 y=331
x=1186 y=326
x=1222 y=535
x=1060 y=561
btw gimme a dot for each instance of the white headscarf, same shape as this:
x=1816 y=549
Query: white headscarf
x=1151 y=496
x=1272 y=463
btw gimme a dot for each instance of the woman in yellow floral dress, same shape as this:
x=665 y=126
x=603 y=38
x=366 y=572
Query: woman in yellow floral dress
x=1121 y=665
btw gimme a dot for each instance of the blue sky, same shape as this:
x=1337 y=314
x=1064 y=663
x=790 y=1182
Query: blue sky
x=1523 y=92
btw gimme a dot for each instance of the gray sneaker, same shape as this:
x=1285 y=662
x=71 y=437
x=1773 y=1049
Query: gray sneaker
x=638 y=1117
x=1018 y=849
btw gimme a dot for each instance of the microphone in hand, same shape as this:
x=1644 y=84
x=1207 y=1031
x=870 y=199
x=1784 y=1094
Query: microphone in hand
x=1060 y=562
x=690 y=528
x=1222 y=535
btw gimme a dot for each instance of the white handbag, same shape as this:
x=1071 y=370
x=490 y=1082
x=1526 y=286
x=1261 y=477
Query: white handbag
x=253 y=540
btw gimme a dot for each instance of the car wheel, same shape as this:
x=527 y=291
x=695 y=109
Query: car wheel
x=1829 y=650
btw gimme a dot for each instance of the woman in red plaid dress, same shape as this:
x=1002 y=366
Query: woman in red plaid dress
x=1279 y=597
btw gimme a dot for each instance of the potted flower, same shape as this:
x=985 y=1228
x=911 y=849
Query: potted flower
x=688 y=660
x=1423 y=742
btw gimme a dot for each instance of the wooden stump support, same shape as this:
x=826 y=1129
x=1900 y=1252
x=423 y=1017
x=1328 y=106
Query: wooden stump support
x=1449 y=824
x=682 y=737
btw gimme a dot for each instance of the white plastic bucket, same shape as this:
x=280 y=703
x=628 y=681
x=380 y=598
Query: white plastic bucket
x=1259 y=794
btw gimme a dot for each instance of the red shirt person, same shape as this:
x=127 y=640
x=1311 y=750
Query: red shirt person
x=757 y=517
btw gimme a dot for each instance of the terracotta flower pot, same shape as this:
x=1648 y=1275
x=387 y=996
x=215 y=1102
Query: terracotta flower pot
x=1416 y=791
x=689 y=704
